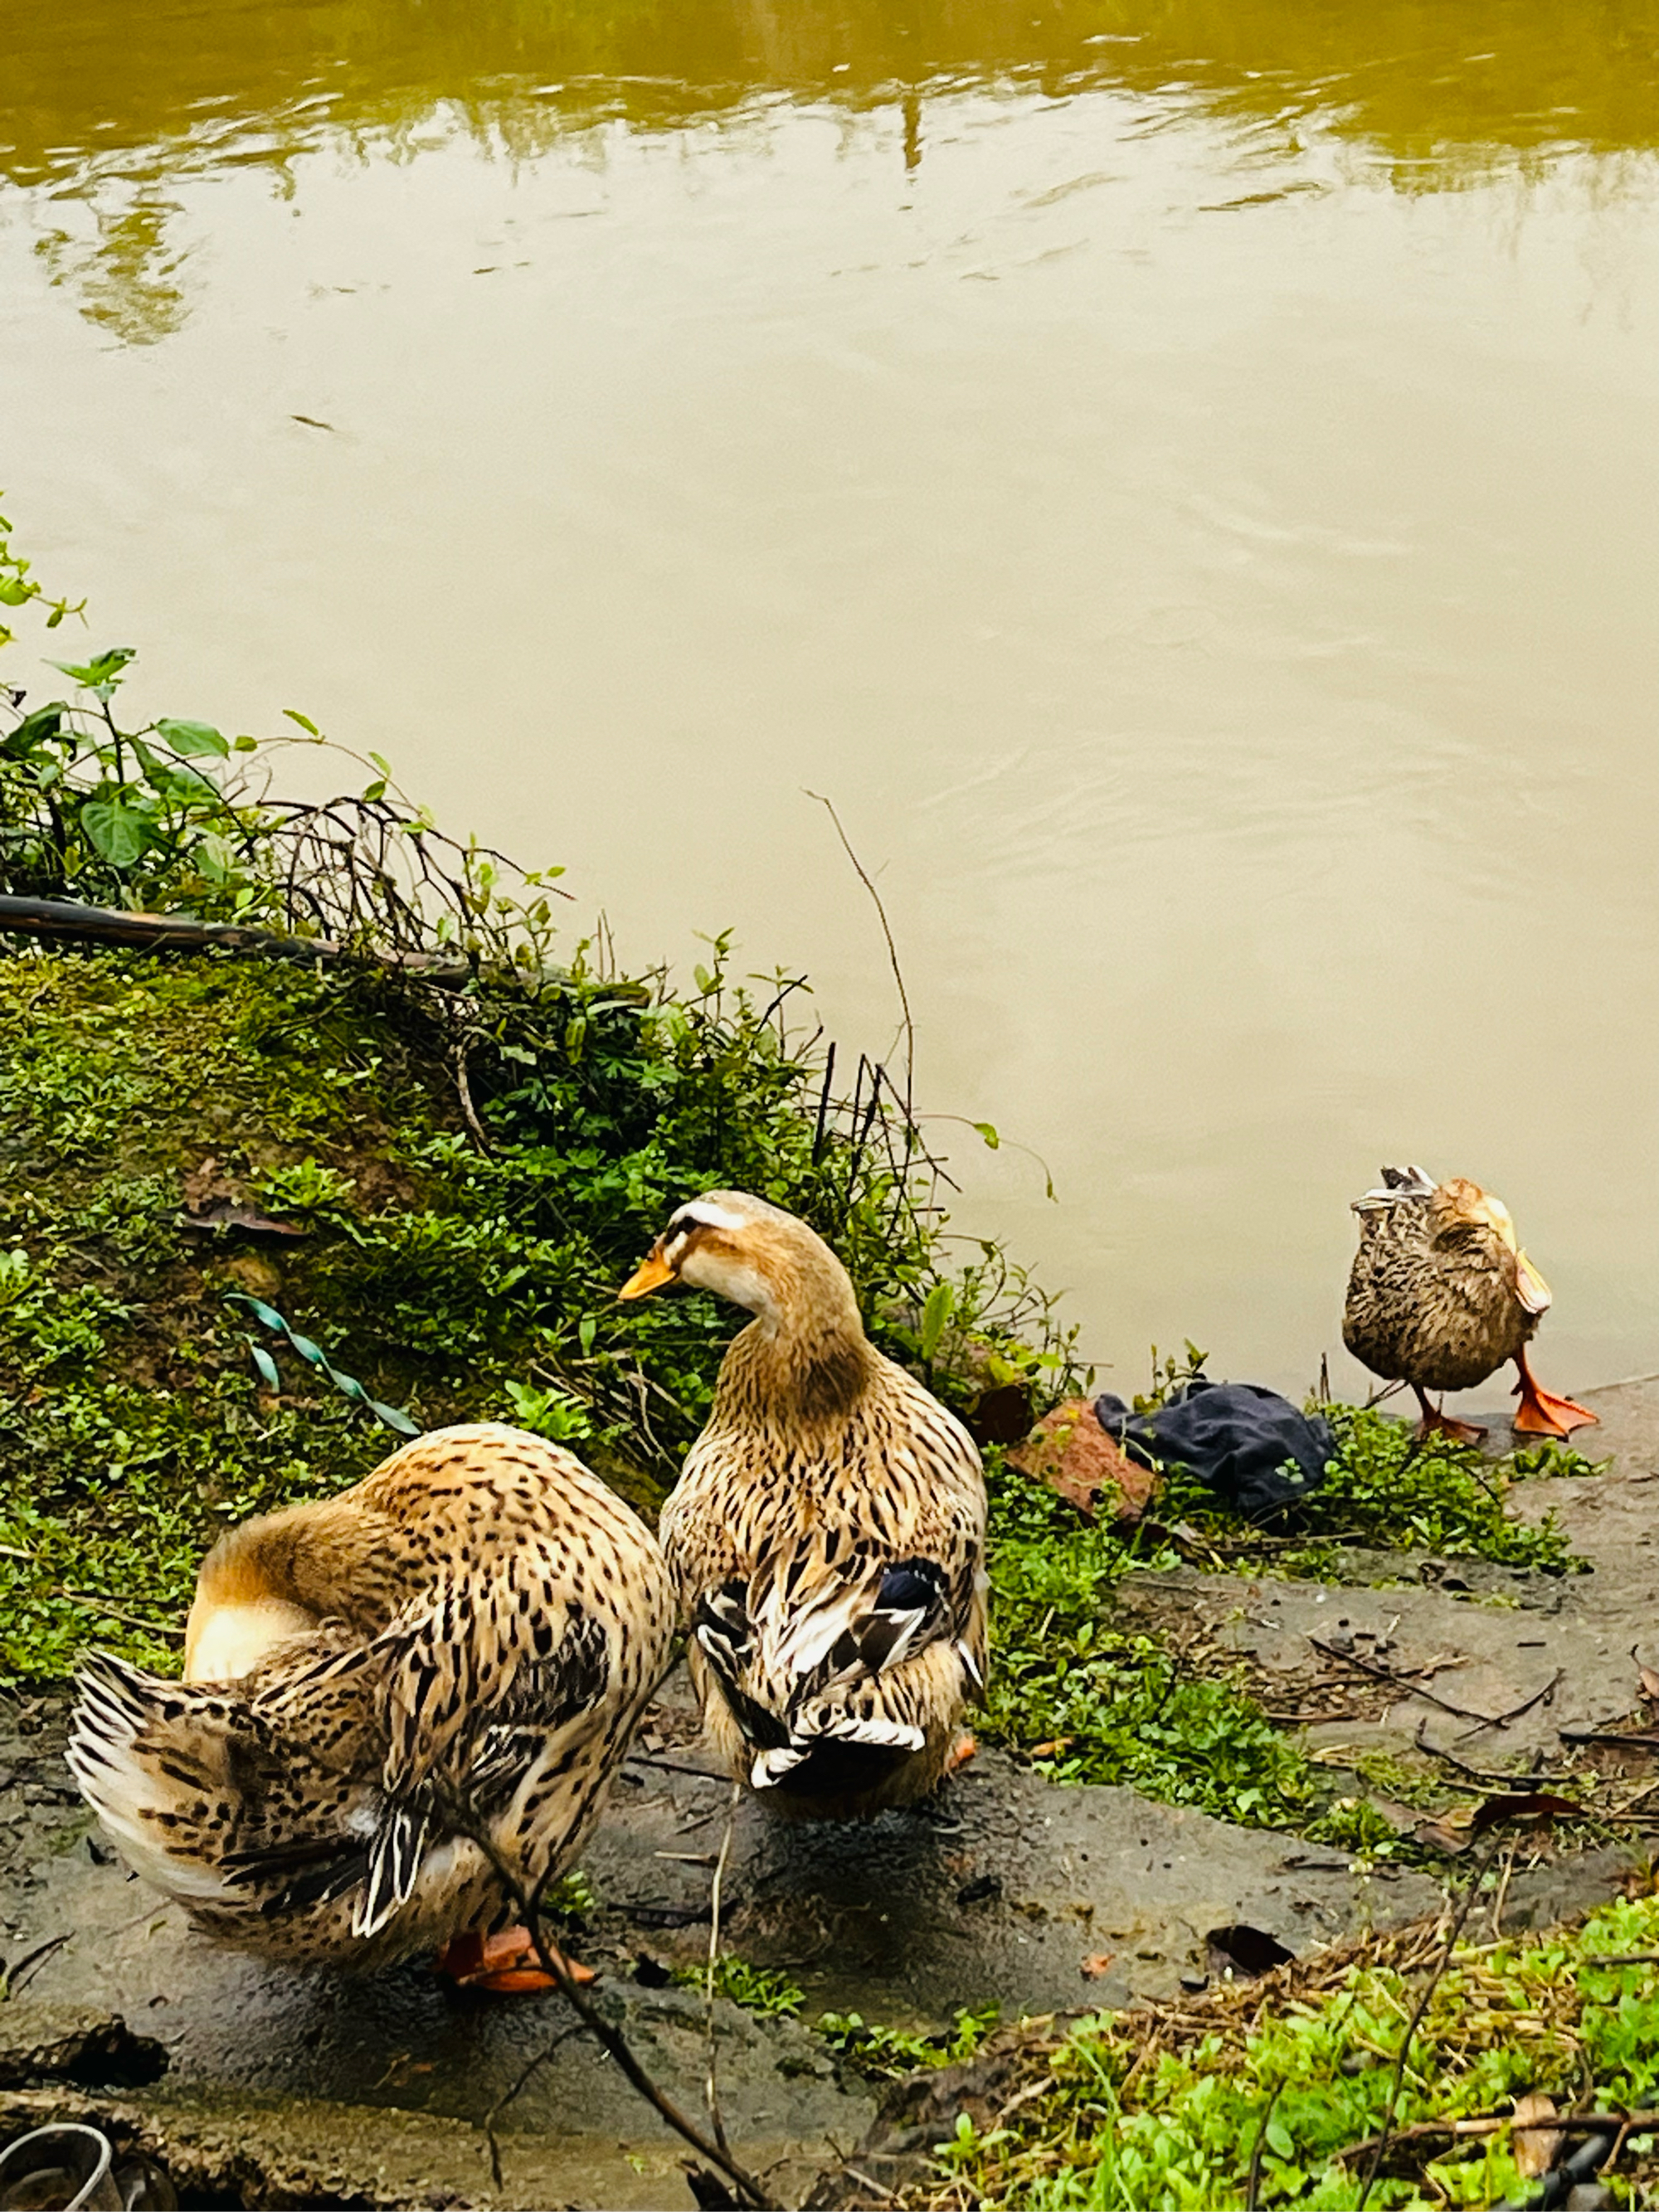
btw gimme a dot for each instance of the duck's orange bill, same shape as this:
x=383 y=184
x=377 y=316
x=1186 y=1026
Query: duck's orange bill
x=1534 y=1293
x=650 y=1275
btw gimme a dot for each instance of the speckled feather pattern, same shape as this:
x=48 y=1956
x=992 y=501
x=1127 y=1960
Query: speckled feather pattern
x=822 y=1465
x=1431 y=1301
x=491 y=1622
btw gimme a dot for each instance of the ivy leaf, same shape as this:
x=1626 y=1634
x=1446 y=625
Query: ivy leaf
x=193 y=740
x=119 y=832
x=988 y=1130
x=102 y=672
x=304 y=720
x=1279 y=2138
x=45 y=722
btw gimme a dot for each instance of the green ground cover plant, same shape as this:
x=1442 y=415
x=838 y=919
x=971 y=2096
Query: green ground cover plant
x=1253 y=2095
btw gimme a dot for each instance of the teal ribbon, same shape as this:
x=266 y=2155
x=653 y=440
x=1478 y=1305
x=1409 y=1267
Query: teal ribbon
x=348 y=1385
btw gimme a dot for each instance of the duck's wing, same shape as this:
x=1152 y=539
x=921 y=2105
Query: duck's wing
x=485 y=1686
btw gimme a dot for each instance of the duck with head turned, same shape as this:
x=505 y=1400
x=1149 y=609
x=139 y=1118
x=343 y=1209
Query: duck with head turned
x=458 y=1646
x=827 y=1532
x=1441 y=1295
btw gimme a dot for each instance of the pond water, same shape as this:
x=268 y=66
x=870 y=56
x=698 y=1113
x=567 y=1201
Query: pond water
x=1181 y=479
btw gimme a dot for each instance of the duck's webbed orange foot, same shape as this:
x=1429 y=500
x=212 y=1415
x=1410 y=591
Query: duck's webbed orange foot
x=960 y=1751
x=506 y=1964
x=1435 y=1423
x=1541 y=1413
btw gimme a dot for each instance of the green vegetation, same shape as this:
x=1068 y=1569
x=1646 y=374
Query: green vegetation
x=1383 y=1489
x=427 y=1159
x=884 y=2053
x=1166 y=2108
x=1091 y=1702
x=761 y=1989
x=890 y=2053
x=1094 y=1704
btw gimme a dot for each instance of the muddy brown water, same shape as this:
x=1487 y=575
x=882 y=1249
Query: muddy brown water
x=1181 y=479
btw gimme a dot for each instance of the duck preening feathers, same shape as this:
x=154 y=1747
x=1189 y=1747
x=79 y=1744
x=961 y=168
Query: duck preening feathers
x=459 y=1645
x=1441 y=1295
x=827 y=1532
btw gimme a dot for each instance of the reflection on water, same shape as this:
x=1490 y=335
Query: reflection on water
x=1435 y=95
x=1181 y=477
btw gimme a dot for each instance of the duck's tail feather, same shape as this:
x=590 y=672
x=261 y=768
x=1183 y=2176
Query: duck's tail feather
x=143 y=1751
x=193 y=1786
x=834 y=1726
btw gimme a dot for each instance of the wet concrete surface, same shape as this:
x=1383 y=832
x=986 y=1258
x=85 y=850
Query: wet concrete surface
x=999 y=1891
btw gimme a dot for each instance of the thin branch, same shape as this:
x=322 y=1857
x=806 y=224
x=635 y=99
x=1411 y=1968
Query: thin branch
x=711 y=2087
x=610 y=2038
x=1252 y=2196
x=892 y=951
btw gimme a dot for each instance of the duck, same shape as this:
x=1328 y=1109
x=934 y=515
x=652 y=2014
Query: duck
x=1440 y=1296
x=456 y=1648
x=826 y=1533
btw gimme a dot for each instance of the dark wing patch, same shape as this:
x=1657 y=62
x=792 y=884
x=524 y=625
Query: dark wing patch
x=912 y=1609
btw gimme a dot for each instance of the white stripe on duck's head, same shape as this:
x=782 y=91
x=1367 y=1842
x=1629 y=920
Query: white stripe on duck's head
x=755 y=1254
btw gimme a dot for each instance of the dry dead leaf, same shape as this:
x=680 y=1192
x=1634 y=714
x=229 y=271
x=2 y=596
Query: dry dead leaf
x=1096 y=1964
x=1537 y=2149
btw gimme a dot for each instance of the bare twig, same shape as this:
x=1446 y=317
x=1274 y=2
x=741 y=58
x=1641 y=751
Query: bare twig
x=487 y=2125
x=59 y=919
x=529 y=1904
x=1409 y=1688
x=1502 y=1891
x=1478 y=1773
x=711 y=2089
x=90 y=1602
x=892 y=951
x=1538 y=1698
x=1490 y=2123
x=1252 y=2195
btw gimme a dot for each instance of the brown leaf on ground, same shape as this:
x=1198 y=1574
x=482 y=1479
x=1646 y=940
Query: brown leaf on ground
x=1650 y=1684
x=1072 y=1453
x=1523 y=1805
x=1096 y=1964
x=1537 y=2149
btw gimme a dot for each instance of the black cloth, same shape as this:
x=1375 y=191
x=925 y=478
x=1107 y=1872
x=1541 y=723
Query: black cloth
x=1249 y=1445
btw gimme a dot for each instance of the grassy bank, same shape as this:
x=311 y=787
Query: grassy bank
x=421 y=1157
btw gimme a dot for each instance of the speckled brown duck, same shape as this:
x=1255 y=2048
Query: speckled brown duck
x=1441 y=1295
x=827 y=1532
x=461 y=1642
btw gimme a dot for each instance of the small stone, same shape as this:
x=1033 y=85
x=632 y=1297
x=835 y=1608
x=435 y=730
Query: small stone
x=1072 y=1453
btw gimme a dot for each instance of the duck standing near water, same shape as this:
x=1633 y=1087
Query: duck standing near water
x=1442 y=1295
x=464 y=1640
x=827 y=1532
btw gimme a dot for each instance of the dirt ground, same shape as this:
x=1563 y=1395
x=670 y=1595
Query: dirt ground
x=289 y=2088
